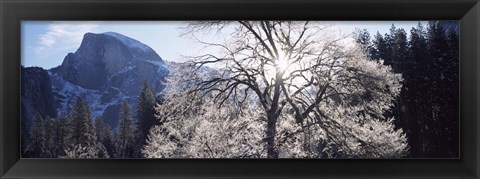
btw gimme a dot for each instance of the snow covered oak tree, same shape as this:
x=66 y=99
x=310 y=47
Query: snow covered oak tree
x=283 y=89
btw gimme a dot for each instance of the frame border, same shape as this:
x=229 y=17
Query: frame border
x=12 y=12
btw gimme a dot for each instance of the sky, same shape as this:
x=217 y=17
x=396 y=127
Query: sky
x=46 y=43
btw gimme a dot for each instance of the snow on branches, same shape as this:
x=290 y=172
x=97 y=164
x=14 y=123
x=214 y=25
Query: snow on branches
x=278 y=89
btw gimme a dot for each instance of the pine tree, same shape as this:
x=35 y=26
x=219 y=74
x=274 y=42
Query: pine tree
x=450 y=96
x=145 y=115
x=442 y=94
x=48 y=126
x=104 y=135
x=365 y=42
x=82 y=137
x=416 y=89
x=36 y=145
x=437 y=49
x=419 y=59
x=380 y=47
x=399 y=57
x=61 y=130
x=81 y=124
x=125 y=137
x=401 y=49
x=389 y=51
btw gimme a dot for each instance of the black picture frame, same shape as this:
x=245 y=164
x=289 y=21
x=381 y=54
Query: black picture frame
x=12 y=12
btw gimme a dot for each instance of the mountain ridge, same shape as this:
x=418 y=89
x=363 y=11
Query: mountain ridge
x=107 y=69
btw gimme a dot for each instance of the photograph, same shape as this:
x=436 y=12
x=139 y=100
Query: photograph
x=240 y=89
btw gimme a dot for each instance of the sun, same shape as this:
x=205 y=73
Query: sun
x=282 y=64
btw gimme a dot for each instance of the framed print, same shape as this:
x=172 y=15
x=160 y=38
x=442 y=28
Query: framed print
x=308 y=89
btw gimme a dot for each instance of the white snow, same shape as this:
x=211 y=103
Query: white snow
x=160 y=66
x=70 y=91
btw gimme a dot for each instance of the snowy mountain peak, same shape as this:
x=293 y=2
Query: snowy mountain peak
x=132 y=43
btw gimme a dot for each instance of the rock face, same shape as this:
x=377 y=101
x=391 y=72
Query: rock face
x=106 y=69
x=36 y=96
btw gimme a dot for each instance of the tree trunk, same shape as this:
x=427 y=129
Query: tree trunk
x=271 y=132
x=272 y=116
